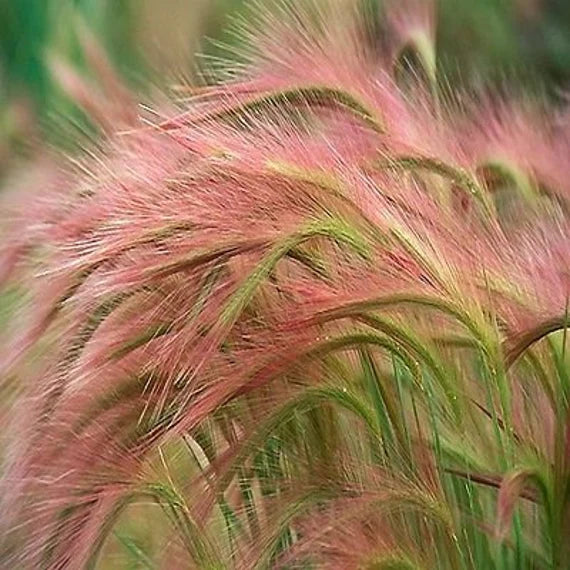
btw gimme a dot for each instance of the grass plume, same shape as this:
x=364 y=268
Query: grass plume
x=313 y=316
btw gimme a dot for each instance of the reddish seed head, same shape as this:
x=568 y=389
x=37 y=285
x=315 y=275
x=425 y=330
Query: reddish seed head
x=244 y=248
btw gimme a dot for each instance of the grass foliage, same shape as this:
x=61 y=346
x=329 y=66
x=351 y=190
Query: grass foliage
x=313 y=316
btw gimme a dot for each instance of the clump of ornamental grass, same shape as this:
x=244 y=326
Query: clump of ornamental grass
x=312 y=315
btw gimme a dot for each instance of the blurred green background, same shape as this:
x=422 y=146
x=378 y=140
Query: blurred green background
x=526 y=42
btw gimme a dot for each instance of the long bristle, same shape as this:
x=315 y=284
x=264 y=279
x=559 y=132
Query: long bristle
x=308 y=316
